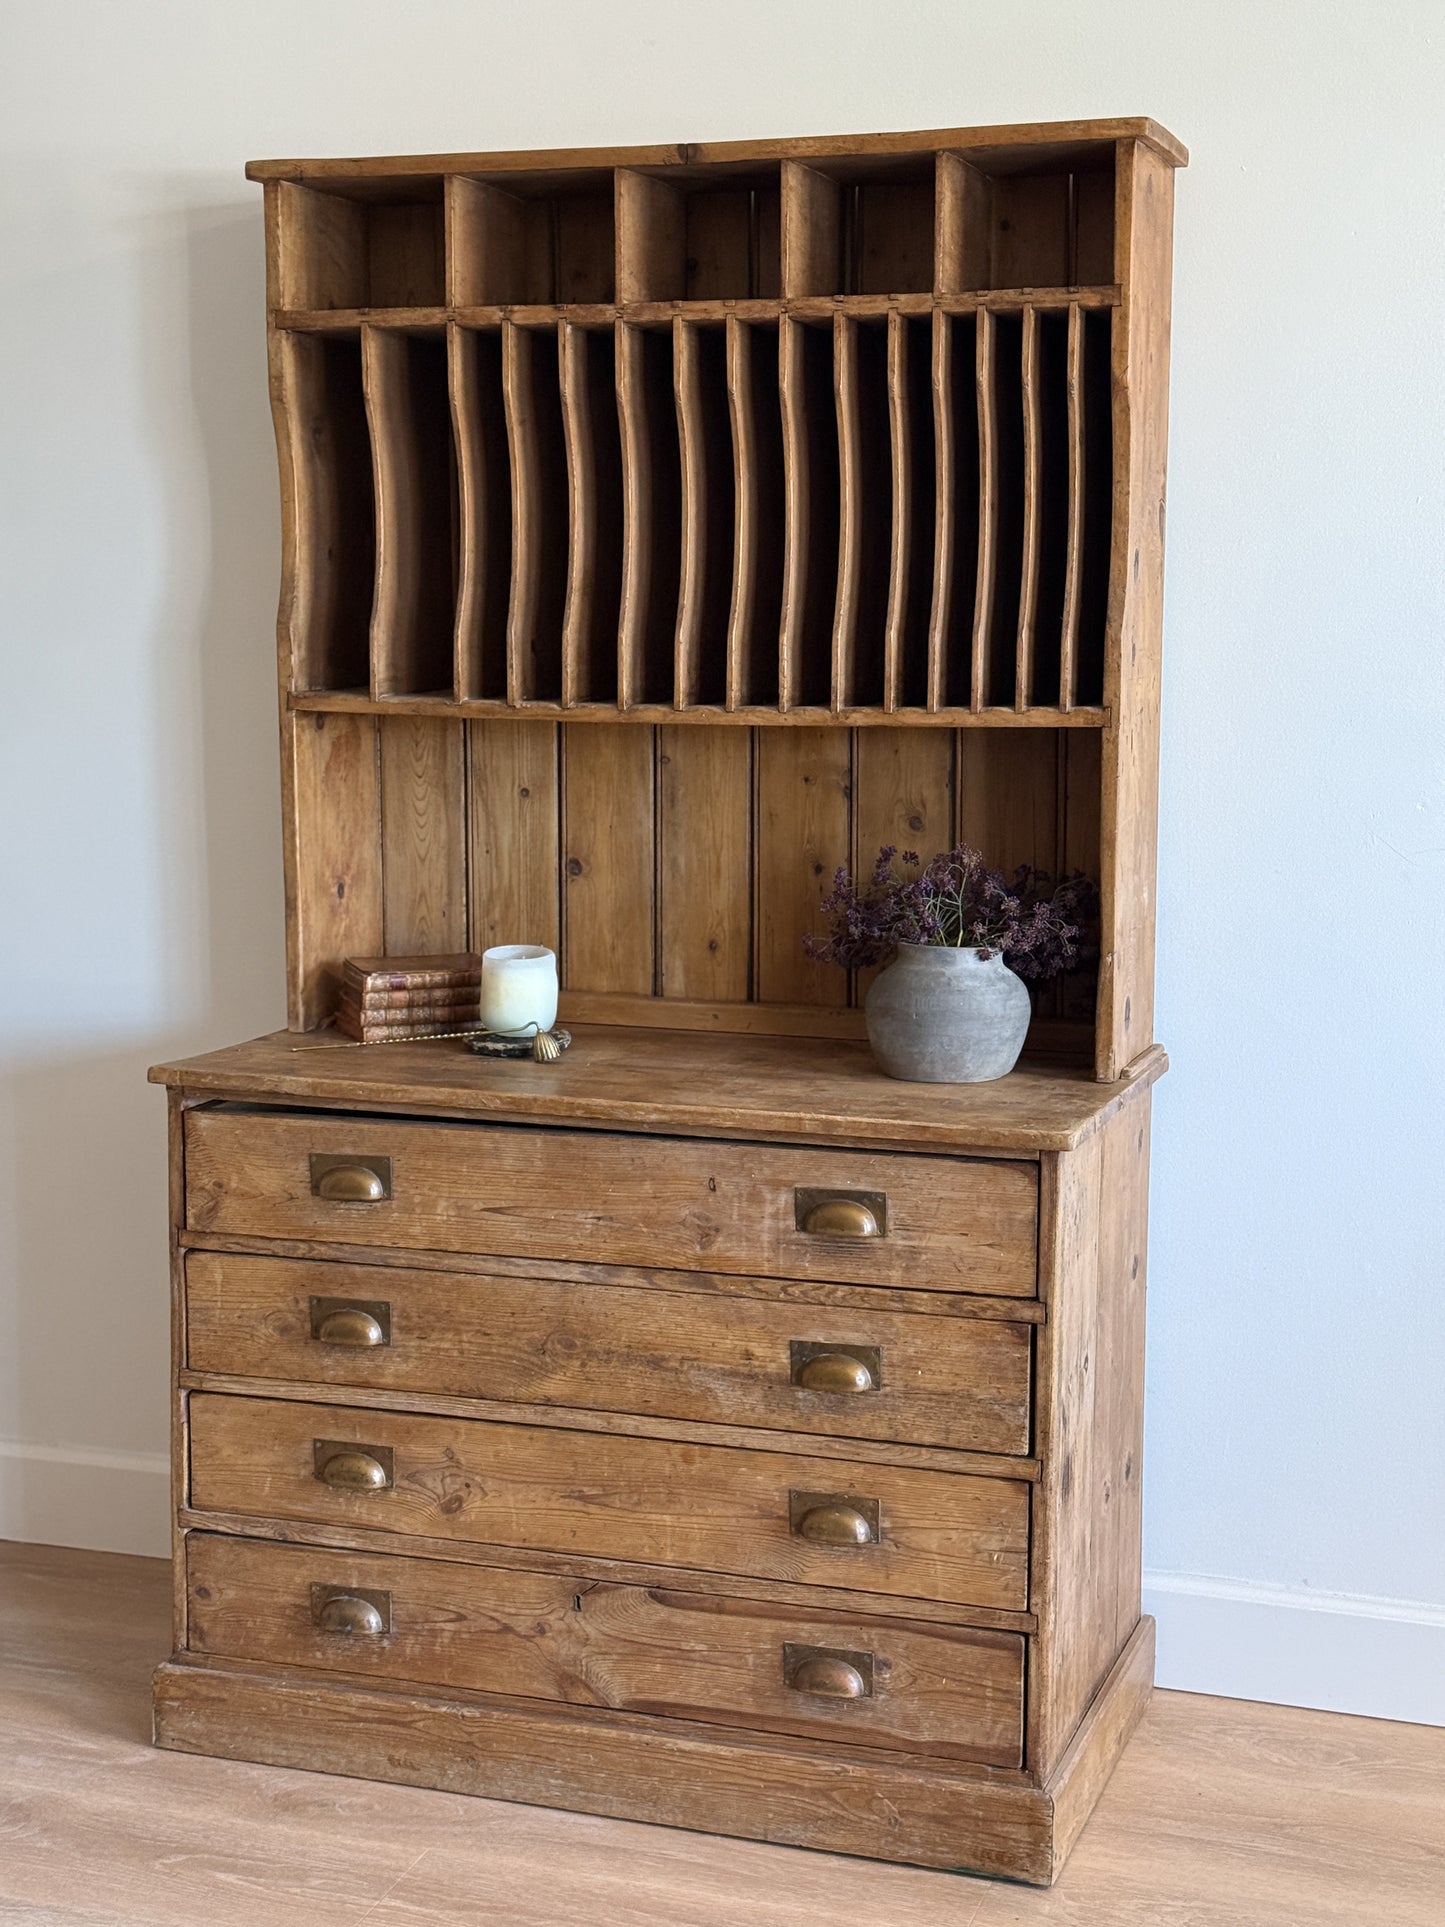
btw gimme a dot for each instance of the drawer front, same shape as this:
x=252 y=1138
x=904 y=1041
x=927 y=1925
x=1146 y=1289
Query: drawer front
x=547 y=1636
x=939 y=1223
x=776 y=1515
x=691 y=1355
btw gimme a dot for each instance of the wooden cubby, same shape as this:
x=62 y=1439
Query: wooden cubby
x=817 y=472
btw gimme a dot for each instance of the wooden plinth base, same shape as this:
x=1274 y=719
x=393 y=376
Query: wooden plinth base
x=632 y=1768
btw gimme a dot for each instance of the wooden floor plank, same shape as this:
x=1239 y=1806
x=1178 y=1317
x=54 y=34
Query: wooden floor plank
x=1222 y=1814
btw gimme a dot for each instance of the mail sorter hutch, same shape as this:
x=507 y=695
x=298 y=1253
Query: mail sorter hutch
x=705 y=1428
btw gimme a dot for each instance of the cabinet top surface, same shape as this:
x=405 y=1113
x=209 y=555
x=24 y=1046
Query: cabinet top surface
x=1027 y=138
x=677 y=1081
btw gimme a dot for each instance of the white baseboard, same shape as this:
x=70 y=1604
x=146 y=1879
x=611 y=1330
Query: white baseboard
x=1342 y=1652
x=62 y=1495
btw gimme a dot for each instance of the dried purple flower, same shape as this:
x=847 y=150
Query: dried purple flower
x=1034 y=920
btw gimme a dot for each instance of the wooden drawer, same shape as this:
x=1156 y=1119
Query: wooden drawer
x=932 y=1535
x=943 y=1691
x=675 y=1354
x=946 y=1223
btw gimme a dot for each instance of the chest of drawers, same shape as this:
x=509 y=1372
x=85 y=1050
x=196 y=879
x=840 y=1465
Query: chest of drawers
x=771 y=1478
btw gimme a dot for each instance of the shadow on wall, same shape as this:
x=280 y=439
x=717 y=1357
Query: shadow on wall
x=85 y=1408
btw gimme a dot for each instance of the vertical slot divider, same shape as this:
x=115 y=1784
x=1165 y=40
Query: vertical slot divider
x=1069 y=638
x=472 y=558
x=812 y=237
x=899 y=442
x=651 y=238
x=987 y=508
x=795 y=511
x=943 y=511
x=572 y=353
x=850 y=516
x=1033 y=490
x=962 y=227
x=686 y=387
x=745 y=526
x=378 y=353
x=526 y=508
x=636 y=514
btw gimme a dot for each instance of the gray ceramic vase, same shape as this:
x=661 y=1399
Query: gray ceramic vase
x=938 y=1015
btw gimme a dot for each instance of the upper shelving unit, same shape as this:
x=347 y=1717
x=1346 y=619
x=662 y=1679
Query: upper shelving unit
x=826 y=475
x=795 y=432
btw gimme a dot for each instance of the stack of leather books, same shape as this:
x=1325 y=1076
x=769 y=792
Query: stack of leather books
x=386 y=1000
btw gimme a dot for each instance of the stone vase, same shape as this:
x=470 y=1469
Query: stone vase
x=938 y=1015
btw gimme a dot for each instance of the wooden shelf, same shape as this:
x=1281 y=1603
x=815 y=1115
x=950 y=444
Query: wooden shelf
x=815 y=470
x=674 y=1081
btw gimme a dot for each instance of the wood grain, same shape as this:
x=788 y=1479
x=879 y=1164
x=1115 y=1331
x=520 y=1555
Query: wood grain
x=513 y=837
x=951 y=1694
x=613 y=1348
x=609 y=942
x=705 y=885
x=484 y=510
x=805 y=783
x=758 y=1086
x=964 y=1226
x=942 y=1536
x=423 y=836
x=333 y=856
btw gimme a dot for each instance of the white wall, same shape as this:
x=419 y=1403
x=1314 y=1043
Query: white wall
x=1296 y=1523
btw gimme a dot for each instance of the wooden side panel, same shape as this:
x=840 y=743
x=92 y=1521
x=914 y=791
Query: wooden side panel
x=333 y=869
x=1074 y=550
x=1086 y=1562
x=705 y=782
x=486 y=244
x=321 y=248
x=1145 y=207
x=423 y=835
x=805 y=783
x=513 y=836
x=608 y=862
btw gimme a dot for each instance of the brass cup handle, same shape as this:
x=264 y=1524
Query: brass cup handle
x=835 y=1372
x=841 y=1218
x=837 y=1524
x=343 y=1612
x=352 y=1468
x=350 y=1184
x=350 y=1326
x=830 y=1676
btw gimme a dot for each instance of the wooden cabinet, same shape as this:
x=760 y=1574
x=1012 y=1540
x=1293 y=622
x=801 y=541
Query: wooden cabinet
x=702 y=1428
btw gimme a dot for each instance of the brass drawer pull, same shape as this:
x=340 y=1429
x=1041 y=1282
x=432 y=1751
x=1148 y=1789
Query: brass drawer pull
x=841 y=1214
x=828 y=1674
x=353 y=1468
x=360 y=1323
x=340 y=1609
x=836 y=1368
x=833 y=1518
x=350 y=1179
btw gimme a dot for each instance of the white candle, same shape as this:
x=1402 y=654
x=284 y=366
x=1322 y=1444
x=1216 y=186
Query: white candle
x=519 y=989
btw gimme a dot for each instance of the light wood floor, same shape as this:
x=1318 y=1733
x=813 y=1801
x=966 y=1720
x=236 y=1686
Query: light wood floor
x=1256 y=1816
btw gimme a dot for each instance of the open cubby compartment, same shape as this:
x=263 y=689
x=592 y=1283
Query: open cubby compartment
x=756 y=611
x=418 y=533
x=858 y=226
x=333 y=559
x=652 y=515
x=709 y=513
x=525 y=238
x=537 y=446
x=811 y=527
x=1038 y=217
x=698 y=234
x=484 y=470
x=364 y=244
x=593 y=438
